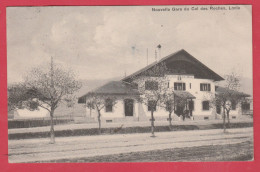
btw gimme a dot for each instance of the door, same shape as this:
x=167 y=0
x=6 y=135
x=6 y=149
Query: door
x=179 y=110
x=129 y=107
x=218 y=109
x=191 y=106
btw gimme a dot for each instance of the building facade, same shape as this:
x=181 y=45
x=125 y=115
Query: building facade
x=186 y=79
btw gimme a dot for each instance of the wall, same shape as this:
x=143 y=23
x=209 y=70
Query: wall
x=118 y=111
x=141 y=112
x=192 y=86
x=234 y=114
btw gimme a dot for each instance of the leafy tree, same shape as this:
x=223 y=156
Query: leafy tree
x=228 y=95
x=153 y=89
x=90 y=106
x=170 y=107
x=48 y=87
x=100 y=101
x=16 y=96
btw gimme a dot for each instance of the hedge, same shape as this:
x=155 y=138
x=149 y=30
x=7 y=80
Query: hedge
x=127 y=130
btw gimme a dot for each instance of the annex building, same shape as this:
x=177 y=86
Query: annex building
x=187 y=79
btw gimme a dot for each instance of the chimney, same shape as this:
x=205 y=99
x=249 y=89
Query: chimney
x=147 y=56
x=159 y=49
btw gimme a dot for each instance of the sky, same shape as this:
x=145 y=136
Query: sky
x=102 y=42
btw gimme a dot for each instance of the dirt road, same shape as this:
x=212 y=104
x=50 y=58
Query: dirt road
x=31 y=150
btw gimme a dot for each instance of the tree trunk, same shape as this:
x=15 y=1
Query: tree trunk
x=52 y=135
x=228 y=124
x=170 y=120
x=152 y=124
x=99 y=123
x=224 y=120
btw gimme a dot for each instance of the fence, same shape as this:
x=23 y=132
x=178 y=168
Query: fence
x=38 y=122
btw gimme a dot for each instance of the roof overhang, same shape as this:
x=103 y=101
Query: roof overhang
x=181 y=55
x=183 y=95
x=222 y=90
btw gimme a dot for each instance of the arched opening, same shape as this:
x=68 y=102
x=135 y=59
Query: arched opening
x=129 y=107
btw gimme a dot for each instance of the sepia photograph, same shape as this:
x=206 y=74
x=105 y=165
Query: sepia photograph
x=168 y=83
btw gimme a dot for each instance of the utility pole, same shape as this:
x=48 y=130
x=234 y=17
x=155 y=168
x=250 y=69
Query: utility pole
x=155 y=55
x=147 y=57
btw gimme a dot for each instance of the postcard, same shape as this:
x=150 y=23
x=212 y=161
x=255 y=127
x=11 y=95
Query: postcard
x=136 y=83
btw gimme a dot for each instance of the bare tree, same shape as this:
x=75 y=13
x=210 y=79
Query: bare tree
x=100 y=101
x=49 y=86
x=227 y=95
x=153 y=89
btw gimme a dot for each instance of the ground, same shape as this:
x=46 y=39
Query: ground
x=197 y=145
x=206 y=153
x=125 y=124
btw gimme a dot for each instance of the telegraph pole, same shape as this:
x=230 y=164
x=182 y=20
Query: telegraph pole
x=147 y=57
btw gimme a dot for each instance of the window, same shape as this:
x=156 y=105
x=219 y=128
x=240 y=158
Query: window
x=179 y=86
x=205 y=87
x=205 y=105
x=151 y=105
x=109 y=105
x=190 y=85
x=151 y=85
x=245 y=106
x=218 y=109
x=233 y=105
x=216 y=87
x=168 y=85
x=134 y=85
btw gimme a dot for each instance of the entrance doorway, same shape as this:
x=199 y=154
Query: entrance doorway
x=191 y=106
x=218 y=108
x=129 y=107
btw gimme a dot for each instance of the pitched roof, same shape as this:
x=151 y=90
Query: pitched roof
x=222 y=90
x=177 y=56
x=184 y=94
x=116 y=87
x=112 y=88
